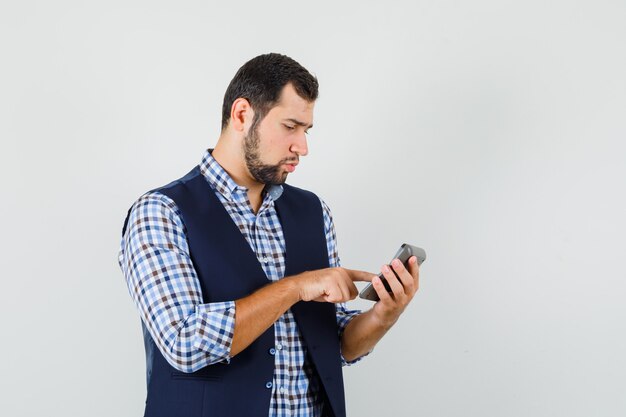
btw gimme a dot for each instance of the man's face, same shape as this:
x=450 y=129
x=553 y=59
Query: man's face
x=273 y=146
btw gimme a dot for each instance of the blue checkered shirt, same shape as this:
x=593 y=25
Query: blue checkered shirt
x=161 y=279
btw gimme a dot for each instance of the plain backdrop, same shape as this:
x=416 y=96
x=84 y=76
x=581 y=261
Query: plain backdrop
x=490 y=132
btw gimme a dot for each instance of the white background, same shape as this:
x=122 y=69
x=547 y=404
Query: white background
x=491 y=133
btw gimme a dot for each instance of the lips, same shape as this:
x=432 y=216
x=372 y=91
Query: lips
x=291 y=167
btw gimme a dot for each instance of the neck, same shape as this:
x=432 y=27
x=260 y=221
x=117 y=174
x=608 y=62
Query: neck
x=229 y=155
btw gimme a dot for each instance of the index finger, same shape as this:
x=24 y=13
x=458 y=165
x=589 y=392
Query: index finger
x=356 y=275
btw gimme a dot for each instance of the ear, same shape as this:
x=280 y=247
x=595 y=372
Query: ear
x=241 y=115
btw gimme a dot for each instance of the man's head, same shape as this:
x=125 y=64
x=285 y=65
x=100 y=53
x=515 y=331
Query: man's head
x=270 y=101
x=261 y=81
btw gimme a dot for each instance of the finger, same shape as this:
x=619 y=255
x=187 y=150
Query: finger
x=356 y=275
x=334 y=293
x=353 y=291
x=413 y=266
x=345 y=292
x=342 y=281
x=394 y=284
x=347 y=285
x=382 y=292
x=405 y=277
x=414 y=269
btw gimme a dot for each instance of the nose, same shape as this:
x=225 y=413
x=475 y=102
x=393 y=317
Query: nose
x=300 y=146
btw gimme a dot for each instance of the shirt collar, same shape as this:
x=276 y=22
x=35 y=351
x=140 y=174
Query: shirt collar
x=219 y=179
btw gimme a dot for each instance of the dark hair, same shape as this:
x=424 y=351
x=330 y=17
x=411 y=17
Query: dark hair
x=261 y=80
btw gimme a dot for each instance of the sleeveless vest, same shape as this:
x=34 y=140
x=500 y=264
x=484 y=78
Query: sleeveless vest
x=228 y=269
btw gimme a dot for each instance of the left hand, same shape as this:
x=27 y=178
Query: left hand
x=391 y=305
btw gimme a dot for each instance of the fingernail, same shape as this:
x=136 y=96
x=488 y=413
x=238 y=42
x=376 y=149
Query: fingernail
x=396 y=262
x=385 y=268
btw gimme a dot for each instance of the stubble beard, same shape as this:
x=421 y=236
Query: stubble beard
x=263 y=173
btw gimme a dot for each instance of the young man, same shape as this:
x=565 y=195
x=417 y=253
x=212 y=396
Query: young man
x=236 y=274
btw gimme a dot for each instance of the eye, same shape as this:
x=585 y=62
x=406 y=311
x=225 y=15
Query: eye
x=290 y=127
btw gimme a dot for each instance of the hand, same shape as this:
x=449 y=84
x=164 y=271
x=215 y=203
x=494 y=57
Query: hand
x=332 y=285
x=391 y=305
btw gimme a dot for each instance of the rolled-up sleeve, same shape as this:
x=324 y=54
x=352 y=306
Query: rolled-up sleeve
x=215 y=326
x=161 y=279
x=344 y=316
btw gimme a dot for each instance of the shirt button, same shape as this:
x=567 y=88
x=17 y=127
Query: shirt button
x=282 y=390
x=279 y=346
x=272 y=351
x=268 y=385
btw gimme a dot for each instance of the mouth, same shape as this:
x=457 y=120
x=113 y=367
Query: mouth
x=291 y=167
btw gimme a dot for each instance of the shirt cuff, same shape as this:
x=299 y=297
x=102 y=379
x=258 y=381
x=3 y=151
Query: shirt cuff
x=215 y=329
x=343 y=318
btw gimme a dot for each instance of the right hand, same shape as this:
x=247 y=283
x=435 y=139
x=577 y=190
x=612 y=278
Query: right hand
x=331 y=285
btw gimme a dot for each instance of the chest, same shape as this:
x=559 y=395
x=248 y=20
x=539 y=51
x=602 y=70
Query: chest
x=263 y=233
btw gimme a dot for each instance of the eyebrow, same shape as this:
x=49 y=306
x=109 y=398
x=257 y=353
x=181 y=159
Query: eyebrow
x=299 y=123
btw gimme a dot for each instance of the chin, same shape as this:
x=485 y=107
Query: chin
x=282 y=179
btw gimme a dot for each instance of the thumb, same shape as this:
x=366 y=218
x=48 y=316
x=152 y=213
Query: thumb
x=356 y=275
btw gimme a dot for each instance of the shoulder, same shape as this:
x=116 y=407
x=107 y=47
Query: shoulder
x=176 y=184
x=302 y=193
x=157 y=208
x=309 y=198
x=153 y=201
x=326 y=209
x=290 y=190
x=159 y=200
x=151 y=210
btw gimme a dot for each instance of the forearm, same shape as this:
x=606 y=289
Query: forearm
x=361 y=335
x=255 y=313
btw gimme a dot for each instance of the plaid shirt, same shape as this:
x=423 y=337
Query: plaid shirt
x=161 y=279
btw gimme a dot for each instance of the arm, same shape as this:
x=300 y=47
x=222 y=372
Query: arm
x=361 y=331
x=161 y=279
x=163 y=283
x=258 y=311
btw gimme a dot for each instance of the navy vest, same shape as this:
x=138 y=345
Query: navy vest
x=228 y=269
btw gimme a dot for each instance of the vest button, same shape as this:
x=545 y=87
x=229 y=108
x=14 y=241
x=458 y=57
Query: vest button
x=272 y=351
x=268 y=385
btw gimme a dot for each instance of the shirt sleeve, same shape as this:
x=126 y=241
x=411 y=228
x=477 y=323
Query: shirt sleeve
x=344 y=316
x=161 y=279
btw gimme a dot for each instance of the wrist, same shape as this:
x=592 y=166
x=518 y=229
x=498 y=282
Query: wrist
x=382 y=320
x=292 y=288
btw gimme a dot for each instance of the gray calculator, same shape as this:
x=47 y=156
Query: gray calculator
x=403 y=254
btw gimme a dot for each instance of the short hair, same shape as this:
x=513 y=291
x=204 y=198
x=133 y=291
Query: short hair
x=261 y=80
